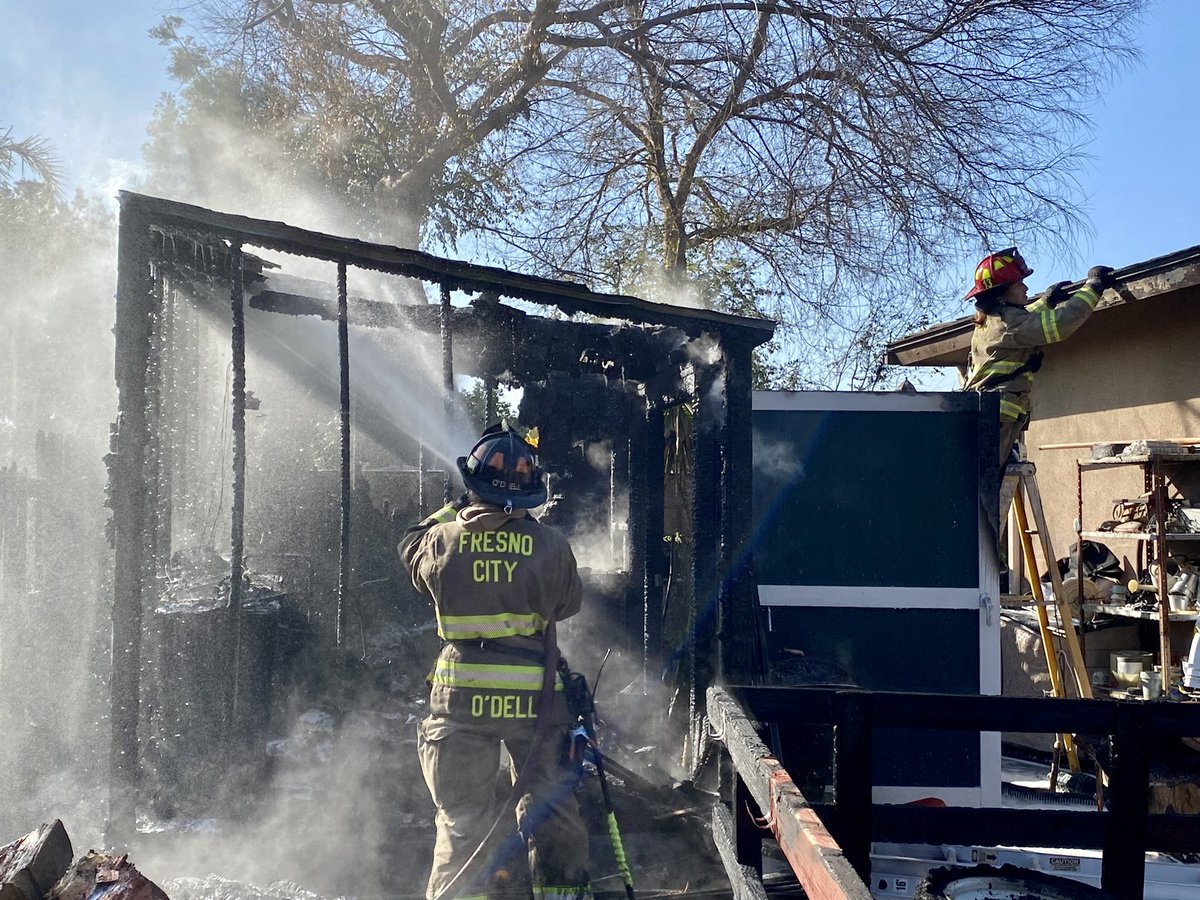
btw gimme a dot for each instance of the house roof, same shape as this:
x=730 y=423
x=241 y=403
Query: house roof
x=947 y=344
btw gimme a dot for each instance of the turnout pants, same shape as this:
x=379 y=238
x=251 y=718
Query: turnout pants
x=460 y=763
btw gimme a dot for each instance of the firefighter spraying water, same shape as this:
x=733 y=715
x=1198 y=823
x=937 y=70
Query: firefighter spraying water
x=500 y=581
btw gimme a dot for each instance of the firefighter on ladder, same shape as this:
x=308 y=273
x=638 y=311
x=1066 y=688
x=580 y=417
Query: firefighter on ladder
x=498 y=580
x=1010 y=332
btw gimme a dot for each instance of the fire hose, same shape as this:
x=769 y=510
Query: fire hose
x=582 y=703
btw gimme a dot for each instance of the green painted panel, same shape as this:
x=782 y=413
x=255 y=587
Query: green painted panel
x=871 y=498
x=924 y=650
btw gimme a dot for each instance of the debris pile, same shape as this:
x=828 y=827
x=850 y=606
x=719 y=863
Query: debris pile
x=41 y=866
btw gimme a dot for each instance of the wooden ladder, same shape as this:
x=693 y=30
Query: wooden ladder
x=1019 y=484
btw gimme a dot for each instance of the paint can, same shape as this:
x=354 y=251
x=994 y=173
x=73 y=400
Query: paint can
x=1151 y=685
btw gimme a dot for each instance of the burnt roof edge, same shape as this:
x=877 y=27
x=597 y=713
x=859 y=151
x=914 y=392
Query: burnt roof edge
x=468 y=277
x=946 y=344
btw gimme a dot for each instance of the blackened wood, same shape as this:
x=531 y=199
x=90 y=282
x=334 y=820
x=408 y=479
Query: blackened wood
x=127 y=493
x=852 y=778
x=344 y=395
x=744 y=880
x=638 y=473
x=461 y=276
x=815 y=857
x=746 y=816
x=706 y=518
x=98 y=874
x=743 y=656
x=237 y=517
x=800 y=705
x=1173 y=833
x=1124 y=867
x=968 y=825
x=31 y=865
x=447 y=335
x=656 y=555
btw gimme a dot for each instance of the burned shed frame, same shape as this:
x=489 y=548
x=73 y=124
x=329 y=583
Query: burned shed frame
x=662 y=355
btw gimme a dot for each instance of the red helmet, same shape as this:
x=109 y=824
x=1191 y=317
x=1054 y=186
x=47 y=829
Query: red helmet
x=999 y=269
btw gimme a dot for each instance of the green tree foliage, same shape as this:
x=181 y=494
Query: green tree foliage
x=825 y=164
x=474 y=401
x=33 y=156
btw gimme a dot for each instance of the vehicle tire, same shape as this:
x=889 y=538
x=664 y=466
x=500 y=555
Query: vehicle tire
x=1007 y=882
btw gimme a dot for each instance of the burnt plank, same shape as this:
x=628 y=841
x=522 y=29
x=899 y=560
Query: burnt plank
x=815 y=857
x=745 y=881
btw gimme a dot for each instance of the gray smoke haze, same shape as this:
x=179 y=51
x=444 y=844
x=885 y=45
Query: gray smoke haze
x=56 y=398
x=56 y=380
x=343 y=792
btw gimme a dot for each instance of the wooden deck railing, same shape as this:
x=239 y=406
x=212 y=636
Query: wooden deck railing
x=837 y=868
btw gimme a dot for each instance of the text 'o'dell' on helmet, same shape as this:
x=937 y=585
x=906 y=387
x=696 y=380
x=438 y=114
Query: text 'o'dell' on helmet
x=503 y=469
x=998 y=270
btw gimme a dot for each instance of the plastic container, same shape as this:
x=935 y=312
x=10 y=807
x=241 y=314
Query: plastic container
x=1127 y=666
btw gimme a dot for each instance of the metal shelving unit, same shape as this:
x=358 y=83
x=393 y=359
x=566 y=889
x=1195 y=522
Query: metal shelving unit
x=1154 y=466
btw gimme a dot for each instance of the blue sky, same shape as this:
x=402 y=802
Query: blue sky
x=85 y=75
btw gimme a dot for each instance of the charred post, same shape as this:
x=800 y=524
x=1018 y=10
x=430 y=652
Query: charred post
x=639 y=473
x=237 y=516
x=135 y=315
x=655 y=567
x=706 y=531
x=742 y=656
x=447 y=333
x=344 y=400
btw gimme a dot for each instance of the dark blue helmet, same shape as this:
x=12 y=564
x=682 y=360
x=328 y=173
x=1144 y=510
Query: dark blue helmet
x=503 y=469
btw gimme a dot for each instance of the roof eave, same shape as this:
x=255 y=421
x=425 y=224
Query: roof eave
x=947 y=344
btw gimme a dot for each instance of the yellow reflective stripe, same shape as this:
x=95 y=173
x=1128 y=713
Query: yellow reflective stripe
x=475 y=628
x=1002 y=367
x=1011 y=410
x=446 y=514
x=451 y=673
x=563 y=892
x=1050 y=326
x=1088 y=296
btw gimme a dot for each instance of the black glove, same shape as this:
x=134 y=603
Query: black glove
x=1055 y=294
x=1035 y=358
x=1101 y=277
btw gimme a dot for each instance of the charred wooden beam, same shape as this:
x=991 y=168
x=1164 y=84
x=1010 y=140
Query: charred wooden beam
x=704 y=612
x=819 y=863
x=742 y=656
x=503 y=342
x=237 y=511
x=746 y=881
x=460 y=276
x=343 y=593
x=135 y=316
x=653 y=451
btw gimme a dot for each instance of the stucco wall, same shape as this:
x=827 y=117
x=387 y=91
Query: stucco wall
x=1130 y=372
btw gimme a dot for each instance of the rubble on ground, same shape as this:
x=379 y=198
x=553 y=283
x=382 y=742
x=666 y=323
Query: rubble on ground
x=41 y=866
